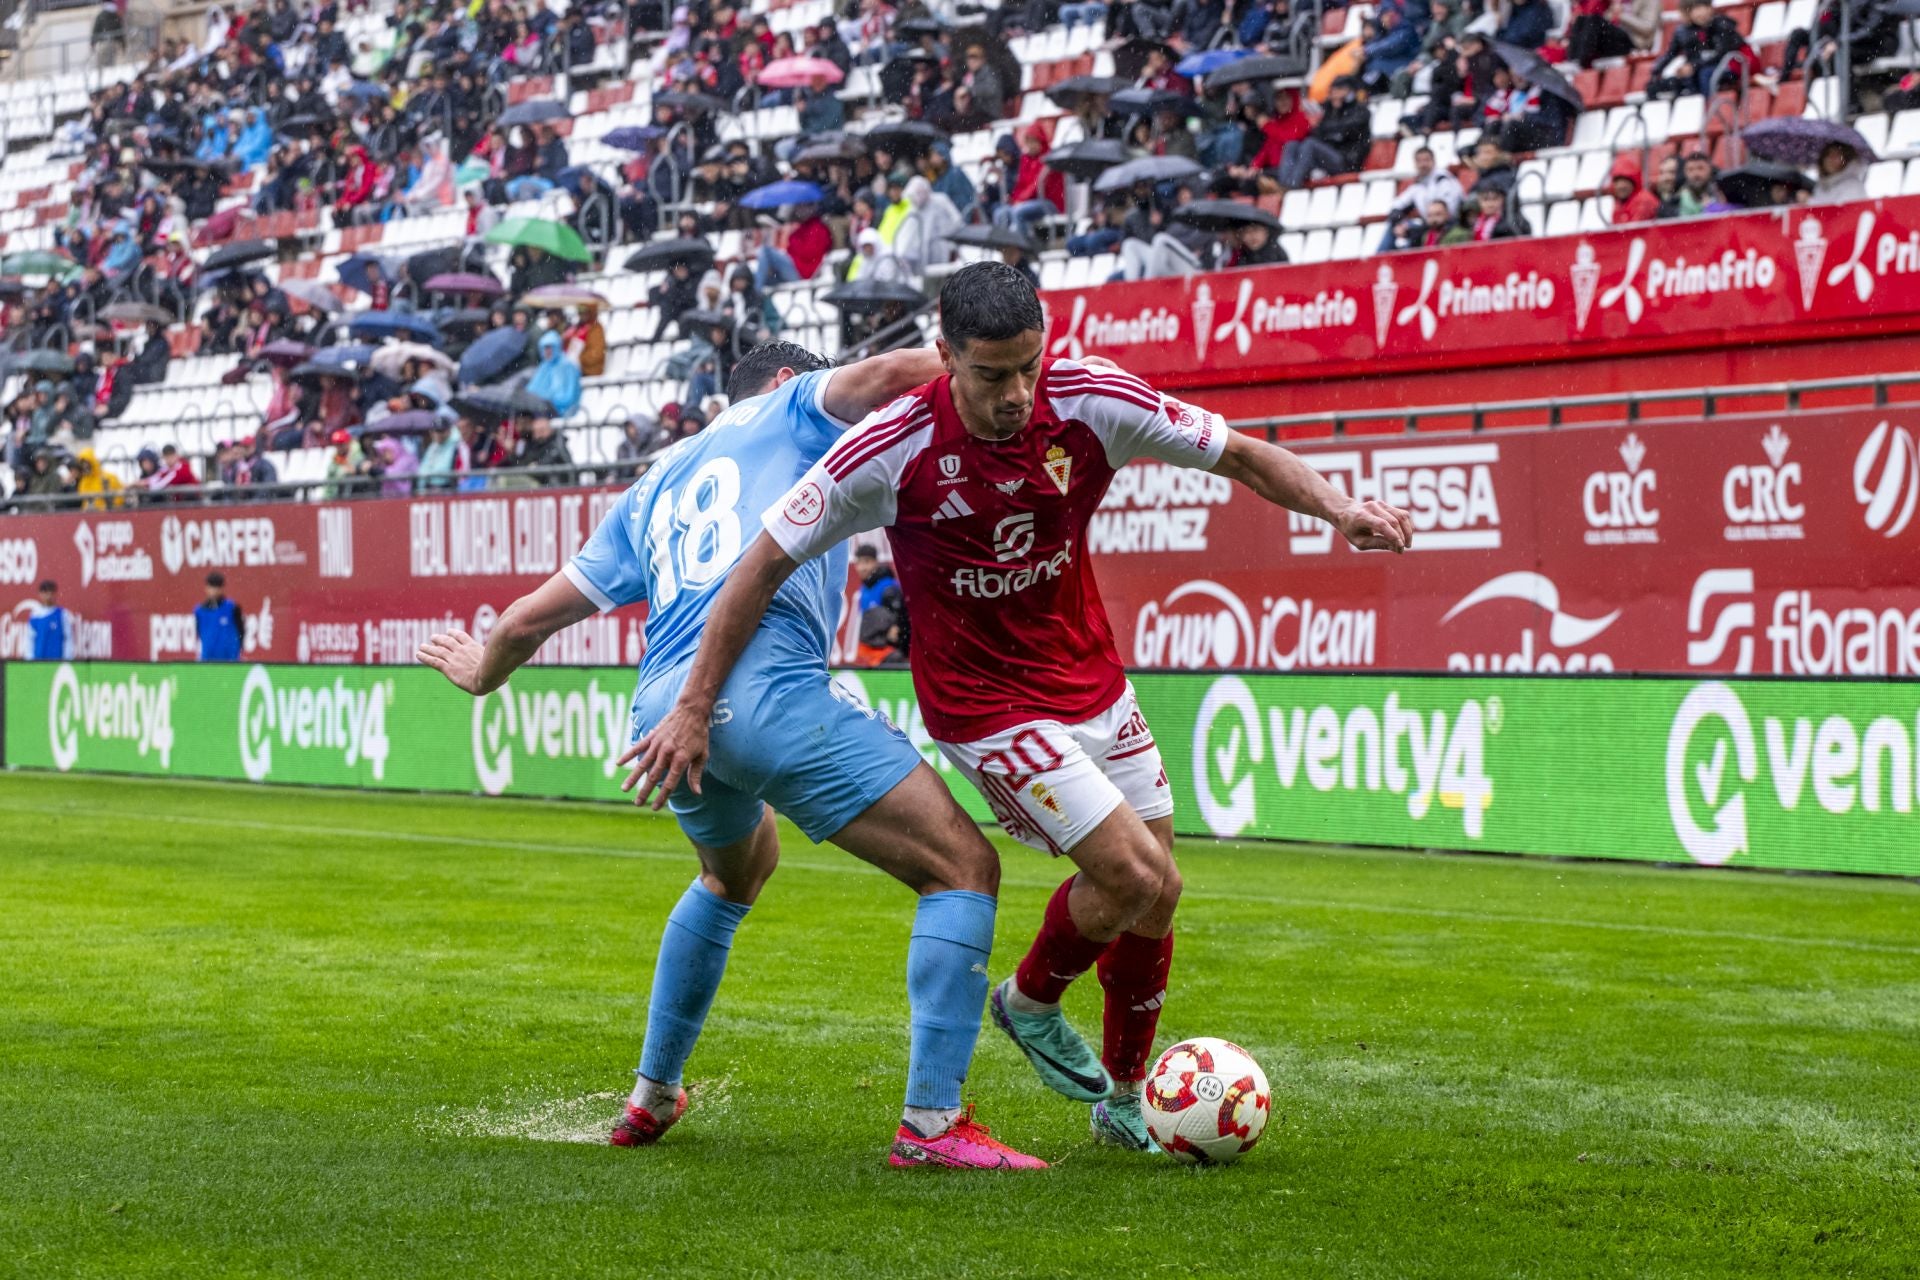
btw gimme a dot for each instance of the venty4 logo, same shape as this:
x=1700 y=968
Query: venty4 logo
x=129 y=710
x=579 y=724
x=307 y=713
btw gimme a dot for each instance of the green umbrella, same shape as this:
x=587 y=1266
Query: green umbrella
x=557 y=238
x=37 y=262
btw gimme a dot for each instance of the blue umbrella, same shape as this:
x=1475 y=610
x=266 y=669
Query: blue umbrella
x=353 y=272
x=633 y=137
x=1797 y=140
x=345 y=361
x=392 y=324
x=367 y=90
x=491 y=354
x=1209 y=61
x=568 y=179
x=775 y=194
x=538 y=111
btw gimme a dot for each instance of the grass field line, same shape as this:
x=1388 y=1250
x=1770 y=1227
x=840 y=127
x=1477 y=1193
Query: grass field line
x=849 y=866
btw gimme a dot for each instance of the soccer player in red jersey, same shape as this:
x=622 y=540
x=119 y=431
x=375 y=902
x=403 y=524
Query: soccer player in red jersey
x=986 y=480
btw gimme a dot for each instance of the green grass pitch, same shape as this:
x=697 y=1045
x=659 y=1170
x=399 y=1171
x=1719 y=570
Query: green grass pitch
x=277 y=1032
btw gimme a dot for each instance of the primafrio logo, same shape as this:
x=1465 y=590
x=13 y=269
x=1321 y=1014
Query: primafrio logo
x=1565 y=631
x=1457 y=298
x=1619 y=505
x=128 y=710
x=1886 y=479
x=329 y=718
x=1762 y=501
x=1724 y=774
x=588 y=725
x=1255 y=316
x=1149 y=327
x=19 y=561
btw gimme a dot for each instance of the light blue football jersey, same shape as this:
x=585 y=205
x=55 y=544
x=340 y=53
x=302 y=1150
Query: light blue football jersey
x=673 y=536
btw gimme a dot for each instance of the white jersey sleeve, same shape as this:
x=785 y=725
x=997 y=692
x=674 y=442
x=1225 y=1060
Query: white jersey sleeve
x=1133 y=420
x=856 y=486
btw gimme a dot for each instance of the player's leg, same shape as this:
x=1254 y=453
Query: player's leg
x=694 y=948
x=1133 y=975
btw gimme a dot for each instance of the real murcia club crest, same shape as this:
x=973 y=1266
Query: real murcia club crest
x=1809 y=252
x=1385 y=290
x=1585 y=272
x=1058 y=466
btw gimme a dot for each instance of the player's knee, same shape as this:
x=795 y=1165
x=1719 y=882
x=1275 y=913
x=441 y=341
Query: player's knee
x=963 y=860
x=1136 y=882
x=741 y=884
x=1170 y=886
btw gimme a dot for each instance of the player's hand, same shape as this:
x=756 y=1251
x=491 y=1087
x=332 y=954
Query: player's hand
x=676 y=749
x=455 y=655
x=1374 y=526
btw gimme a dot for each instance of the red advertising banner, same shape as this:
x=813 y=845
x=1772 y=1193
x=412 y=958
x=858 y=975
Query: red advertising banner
x=1786 y=544
x=1766 y=545
x=1786 y=275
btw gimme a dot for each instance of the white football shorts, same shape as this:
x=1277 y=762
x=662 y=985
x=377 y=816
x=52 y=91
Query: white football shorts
x=1050 y=783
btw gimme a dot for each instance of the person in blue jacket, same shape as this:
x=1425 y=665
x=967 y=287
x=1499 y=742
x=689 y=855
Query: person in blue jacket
x=219 y=623
x=50 y=626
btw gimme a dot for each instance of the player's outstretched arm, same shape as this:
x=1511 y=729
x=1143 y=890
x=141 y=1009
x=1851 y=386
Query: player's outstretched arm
x=522 y=629
x=1282 y=479
x=677 y=746
x=856 y=390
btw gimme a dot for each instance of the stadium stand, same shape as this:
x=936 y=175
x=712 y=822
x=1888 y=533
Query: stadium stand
x=286 y=152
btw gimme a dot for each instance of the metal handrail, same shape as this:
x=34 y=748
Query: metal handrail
x=1556 y=407
x=204 y=495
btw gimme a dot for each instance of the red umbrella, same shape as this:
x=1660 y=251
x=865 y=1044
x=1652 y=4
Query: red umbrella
x=798 y=73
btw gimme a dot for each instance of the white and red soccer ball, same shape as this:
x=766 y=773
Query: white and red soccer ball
x=1206 y=1101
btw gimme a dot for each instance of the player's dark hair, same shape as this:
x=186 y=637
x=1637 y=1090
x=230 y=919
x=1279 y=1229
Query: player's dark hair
x=755 y=373
x=988 y=302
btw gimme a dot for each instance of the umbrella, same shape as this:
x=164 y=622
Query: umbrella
x=694 y=102
x=495 y=403
x=313 y=294
x=1256 y=70
x=41 y=361
x=1209 y=61
x=445 y=260
x=557 y=238
x=37 y=262
x=304 y=122
x=217 y=228
x=165 y=167
x=1146 y=169
x=391 y=358
x=459 y=321
x=538 y=111
x=13 y=288
x=1796 y=140
x=914 y=28
x=1534 y=69
x=136 y=313
x=366 y=91
x=412 y=422
x=492 y=354
x=700 y=318
x=465 y=282
x=238 y=253
x=988 y=236
x=662 y=254
x=286 y=351
x=867 y=294
x=391 y=324
x=633 y=137
x=903 y=137
x=1146 y=102
x=1751 y=185
x=825 y=148
x=354 y=271
x=1089 y=159
x=1069 y=92
x=798 y=73
x=222 y=276
x=1224 y=215
x=554 y=297
x=775 y=194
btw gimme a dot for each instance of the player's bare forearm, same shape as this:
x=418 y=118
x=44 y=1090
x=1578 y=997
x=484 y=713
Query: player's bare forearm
x=517 y=636
x=1279 y=476
x=858 y=389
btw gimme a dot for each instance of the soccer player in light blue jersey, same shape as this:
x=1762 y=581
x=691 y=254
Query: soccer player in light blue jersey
x=783 y=737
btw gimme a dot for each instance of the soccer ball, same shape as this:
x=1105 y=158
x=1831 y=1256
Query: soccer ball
x=1206 y=1101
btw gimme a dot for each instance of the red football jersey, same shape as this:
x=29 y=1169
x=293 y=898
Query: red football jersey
x=990 y=537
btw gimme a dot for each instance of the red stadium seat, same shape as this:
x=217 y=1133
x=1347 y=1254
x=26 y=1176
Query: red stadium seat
x=1790 y=99
x=1613 y=88
x=1382 y=154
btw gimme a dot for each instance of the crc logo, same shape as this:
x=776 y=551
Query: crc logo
x=1619 y=504
x=1732 y=620
x=19 y=561
x=1760 y=501
x=1886 y=479
x=1013 y=537
x=1564 y=630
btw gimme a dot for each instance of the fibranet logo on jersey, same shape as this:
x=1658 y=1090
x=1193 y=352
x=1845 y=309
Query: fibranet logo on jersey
x=128 y=710
x=527 y=724
x=314 y=715
x=1448 y=489
x=1154 y=506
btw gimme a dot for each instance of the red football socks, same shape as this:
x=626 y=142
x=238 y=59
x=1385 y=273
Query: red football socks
x=1133 y=971
x=1059 y=953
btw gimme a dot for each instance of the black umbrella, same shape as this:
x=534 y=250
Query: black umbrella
x=1146 y=169
x=662 y=254
x=1089 y=159
x=429 y=263
x=165 y=167
x=1069 y=92
x=413 y=422
x=988 y=236
x=304 y=123
x=462 y=320
x=1262 y=70
x=538 y=111
x=1534 y=69
x=690 y=101
x=136 y=313
x=1146 y=102
x=867 y=294
x=495 y=403
x=492 y=354
x=831 y=149
x=1225 y=215
x=903 y=137
x=700 y=318
x=914 y=28
x=1751 y=185
x=237 y=253
x=41 y=361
